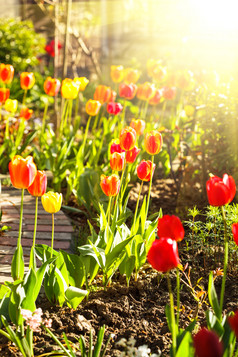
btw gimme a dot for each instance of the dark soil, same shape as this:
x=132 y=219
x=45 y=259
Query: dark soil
x=138 y=310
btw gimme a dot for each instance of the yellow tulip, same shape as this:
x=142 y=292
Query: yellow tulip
x=51 y=201
x=69 y=89
x=189 y=110
x=82 y=83
x=11 y=105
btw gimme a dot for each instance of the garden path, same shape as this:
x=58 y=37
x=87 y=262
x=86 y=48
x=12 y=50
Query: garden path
x=10 y=199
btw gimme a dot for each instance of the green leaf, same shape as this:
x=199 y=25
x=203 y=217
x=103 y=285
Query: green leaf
x=212 y=295
x=75 y=269
x=75 y=296
x=117 y=251
x=98 y=345
x=17 y=266
x=185 y=347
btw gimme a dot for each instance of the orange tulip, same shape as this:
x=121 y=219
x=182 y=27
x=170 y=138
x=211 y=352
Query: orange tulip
x=27 y=80
x=131 y=75
x=153 y=142
x=102 y=94
x=156 y=98
x=6 y=73
x=127 y=91
x=117 y=73
x=145 y=91
x=26 y=113
x=169 y=92
x=110 y=184
x=117 y=161
x=127 y=138
x=4 y=94
x=22 y=171
x=138 y=125
x=92 y=107
x=38 y=186
x=51 y=86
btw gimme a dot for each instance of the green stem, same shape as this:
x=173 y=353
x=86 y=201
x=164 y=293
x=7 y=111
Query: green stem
x=95 y=121
x=137 y=205
x=52 y=238
x=86 y=134
x=32 y=263
x=225 y=259
x=178 y=296
x=24 y=97
x=57 y=341
x=151 y=175
x=173 y=324
x=70 y=111
x=7 y=127
x=21 y=217
x=145 y=109
x=62 y=118
x=120 y=194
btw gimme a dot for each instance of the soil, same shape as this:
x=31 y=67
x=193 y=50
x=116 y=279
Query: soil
x=137 y=311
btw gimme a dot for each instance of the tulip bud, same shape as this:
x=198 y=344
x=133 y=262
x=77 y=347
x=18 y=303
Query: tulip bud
x=170 y=226
x=92 y=107
x=163 y=254
x=131 y=75
x=22 y=171
x=6 y=73
x=11 y=105
x=145 y=91
x=132 y=154
x=81 y=82
x=220 y=191
x=169 y=92
x=114 y=108
x=38 y=186
x=110 y=184
x=117 y=161
x=117 y=73
x=115 y=146
x=156 y=98
x=233 y=322
x=51 y=201
x=69 y=89
x=207 y=344
x=26 y=113
x=153 y=142
x=189 y=110
x=127 y=138
x=27 y=80
x=138 y=125
x=51 y=86
x=145 y=169
x=102 y=94
x=127 y=91
x=4 y=94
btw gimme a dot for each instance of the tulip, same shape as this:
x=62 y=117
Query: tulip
x=185 y=80
x=50 y=48
x=81 y=82
x=26 y=113
x=234 y=228
x=69 y=89
x=145 y=169
x=92 y=107
x=233 y=322
x=11 y=105
x=4 y=94
x=102 y=94
x=115 y=146
x=138 y=125
x=117 y=73
x=127 y=138
x=114 y=108
x=207 y=344
x=189 y=110
x=117 y=161
x=131 y=75
x=220 y=191
x=127 y=91
x=6 y=73
x=132 y=154
x=110 y=184
x=145 y=91
x=153 y=142
x=169 y=92
x=27 y=80
x=38 y=186
x=156 y=98
x=163 y=254
x=159 y=73
x=51 y=201
x=51 y=86
x=170 y=226
x=22 y=171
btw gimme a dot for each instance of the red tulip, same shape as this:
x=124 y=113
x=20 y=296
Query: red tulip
x=132 y=154
x=220 y=191
x=163 y=254
x=170 y=226
x=51 y=86
x=114 y=108
x=38 y=186
x=22 y=171
x=127 y=91
x=50 y=48
x=115 y=146
x=233 y=322
x=102 y=94
x=234 y=228
x=158 y=94
x=169 y=92
x=26 y=113
x=110 y=184
x=117 y=161
x=207 y=344
x=127 y=138
x=27 y=80
x=138 y=125
x=153 y=142
x=4 y=94
x=6 y=73
x=144 y=170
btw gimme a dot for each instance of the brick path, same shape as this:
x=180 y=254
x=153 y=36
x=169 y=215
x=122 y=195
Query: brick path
x=10 y=199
